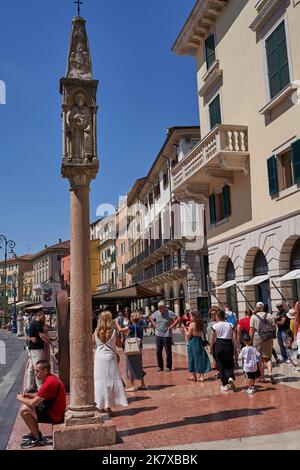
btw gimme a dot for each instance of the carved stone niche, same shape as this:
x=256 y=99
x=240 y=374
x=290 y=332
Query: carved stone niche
x=79 y=122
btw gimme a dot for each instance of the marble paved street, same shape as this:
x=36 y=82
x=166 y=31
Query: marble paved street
x=175 y=413
x=11 y=381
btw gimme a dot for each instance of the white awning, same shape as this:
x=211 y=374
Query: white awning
x=295 y=274
x=257 y=280
x=227 y=284
x=23 y=303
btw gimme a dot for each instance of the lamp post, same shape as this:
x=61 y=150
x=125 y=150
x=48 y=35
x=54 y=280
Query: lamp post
x=14 y=328
x=8 y=244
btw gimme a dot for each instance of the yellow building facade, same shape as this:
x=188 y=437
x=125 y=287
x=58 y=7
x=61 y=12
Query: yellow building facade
x=246 y=168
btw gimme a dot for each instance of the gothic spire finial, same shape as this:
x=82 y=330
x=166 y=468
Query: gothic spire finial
x=79 y=63
x=78 y=3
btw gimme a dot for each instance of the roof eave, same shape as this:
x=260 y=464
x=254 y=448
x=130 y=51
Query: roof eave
x=197 y=26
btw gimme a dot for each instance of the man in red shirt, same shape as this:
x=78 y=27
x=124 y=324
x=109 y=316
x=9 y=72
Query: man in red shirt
x=46 y=406
x=244 y=327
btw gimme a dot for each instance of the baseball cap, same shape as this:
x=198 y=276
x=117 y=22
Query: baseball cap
x=260 y=304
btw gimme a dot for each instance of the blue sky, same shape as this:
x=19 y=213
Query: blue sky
x=144 y=89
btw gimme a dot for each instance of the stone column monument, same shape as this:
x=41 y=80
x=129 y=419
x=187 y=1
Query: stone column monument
x=84 y=426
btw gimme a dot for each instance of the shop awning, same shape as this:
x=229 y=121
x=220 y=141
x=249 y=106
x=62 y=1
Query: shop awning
x=33 y=307
x=295 y=274
x=24 y=303
x=127 y=293
x=227 y=284
x=257 y=280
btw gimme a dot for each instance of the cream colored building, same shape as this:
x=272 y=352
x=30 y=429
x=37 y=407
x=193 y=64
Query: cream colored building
x=17 y=270
x=246 y=168
x=162 y=260
x=104 y=230
x=123 y=279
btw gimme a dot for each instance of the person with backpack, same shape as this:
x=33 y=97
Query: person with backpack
x=262 y=331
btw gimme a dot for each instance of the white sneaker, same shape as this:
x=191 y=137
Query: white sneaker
x=224 y=388
x=250 y=390
x=231 y=382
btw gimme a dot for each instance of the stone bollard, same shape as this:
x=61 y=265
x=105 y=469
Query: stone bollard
x=20 y=322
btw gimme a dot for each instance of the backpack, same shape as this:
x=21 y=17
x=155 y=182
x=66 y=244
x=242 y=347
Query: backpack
x=265 y=328
x=231 y=319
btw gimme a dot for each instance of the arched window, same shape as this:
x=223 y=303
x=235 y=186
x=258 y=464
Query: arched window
x=262 y=290
x=295 y=256
x=260 y=265
x=295 y=264
x=171 y=301
x=231 y=295
x=229 y=271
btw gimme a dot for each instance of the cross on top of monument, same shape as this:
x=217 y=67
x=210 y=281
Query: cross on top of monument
x=78 y=3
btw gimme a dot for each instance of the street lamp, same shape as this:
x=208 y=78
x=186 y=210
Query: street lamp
x=8 y=245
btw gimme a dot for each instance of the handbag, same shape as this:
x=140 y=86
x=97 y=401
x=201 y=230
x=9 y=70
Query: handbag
x=132 y=345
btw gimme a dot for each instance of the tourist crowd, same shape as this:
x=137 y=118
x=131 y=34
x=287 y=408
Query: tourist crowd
x=217 y=344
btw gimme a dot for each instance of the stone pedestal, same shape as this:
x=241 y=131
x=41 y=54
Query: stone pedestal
x=20 y=325
x=83 y=436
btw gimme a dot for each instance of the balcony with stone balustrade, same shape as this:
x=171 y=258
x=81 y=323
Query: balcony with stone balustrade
x=223 y=151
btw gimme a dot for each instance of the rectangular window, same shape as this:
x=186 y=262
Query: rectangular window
x=220 y=205
x=286 y=170
x=215 y=112
x=150 y=199
x=277 y=60
x=157 y=191
x=220 y=215
x=166 y=179
x=210 y=51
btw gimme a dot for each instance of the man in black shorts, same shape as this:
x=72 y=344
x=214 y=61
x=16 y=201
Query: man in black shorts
x=46 y=406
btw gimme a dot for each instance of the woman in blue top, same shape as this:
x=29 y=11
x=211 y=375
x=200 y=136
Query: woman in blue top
x=134 y=363
x=198 y=360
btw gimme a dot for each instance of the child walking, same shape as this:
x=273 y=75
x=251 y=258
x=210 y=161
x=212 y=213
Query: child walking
x=250 y=358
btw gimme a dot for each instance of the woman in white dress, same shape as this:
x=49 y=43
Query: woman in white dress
x=109 y=388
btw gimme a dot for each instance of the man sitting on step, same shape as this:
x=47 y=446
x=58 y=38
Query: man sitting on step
x=46 y=406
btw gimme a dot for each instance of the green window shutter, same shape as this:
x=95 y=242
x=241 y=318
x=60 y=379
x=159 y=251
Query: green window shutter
x=212 y=209
x=296 y=160
x=226 y=201
x=277 y=59
x=215 y=112
x=210 y=50
x=273 y=175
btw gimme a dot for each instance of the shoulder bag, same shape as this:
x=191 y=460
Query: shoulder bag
x=132 y=345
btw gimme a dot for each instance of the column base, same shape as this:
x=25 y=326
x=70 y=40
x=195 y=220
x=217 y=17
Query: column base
x=83 y=416
x=88 y=436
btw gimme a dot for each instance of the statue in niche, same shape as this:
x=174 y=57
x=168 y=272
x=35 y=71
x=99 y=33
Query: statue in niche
x=80 y=129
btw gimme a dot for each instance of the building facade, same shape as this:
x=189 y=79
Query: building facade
x=246 y=168
x=123 y=279
x=95 y=268
x=47 y=266
x=104 y=231
x=164 y=256
x=16 y=277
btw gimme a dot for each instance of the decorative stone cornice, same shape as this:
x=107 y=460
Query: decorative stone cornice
x=265 y=9
x=195 y=30
x=211 y=77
